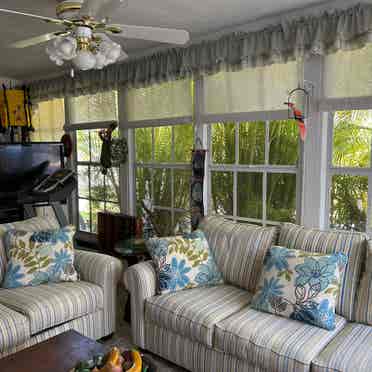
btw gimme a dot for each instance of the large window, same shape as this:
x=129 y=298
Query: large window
x=254 y=170
x=96 y=192
x=163 y=173
x=350 y=171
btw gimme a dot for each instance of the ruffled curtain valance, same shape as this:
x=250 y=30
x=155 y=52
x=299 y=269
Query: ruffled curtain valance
x=301 y=38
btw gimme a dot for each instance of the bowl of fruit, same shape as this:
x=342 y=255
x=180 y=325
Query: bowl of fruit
x=115 y=361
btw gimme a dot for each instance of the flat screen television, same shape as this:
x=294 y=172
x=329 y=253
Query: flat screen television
x=18 y=158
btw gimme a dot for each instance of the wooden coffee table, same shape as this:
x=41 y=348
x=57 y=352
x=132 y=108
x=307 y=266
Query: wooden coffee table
x=58 y=354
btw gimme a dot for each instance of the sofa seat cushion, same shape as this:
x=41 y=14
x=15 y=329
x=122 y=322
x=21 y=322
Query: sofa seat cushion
x=272 y=342
x=350 y=351
x=194 y=312
x=48 y=305
x=14 y=328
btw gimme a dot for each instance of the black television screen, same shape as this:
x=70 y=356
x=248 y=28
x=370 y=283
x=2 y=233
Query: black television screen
x=17 y=158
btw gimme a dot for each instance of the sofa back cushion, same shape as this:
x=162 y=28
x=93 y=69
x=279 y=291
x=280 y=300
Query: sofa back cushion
x=32 y=224
x=363 y=312
x=239 y=249
x=353 y=245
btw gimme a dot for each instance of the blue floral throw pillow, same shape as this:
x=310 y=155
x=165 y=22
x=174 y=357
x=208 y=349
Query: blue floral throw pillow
x=300 y=285
x=39 y=257
x=183 y=262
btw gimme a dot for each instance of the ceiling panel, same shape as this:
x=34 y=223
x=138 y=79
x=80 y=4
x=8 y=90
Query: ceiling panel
x=198 y=16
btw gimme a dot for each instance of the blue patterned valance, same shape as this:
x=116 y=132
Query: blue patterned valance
x=300 y=38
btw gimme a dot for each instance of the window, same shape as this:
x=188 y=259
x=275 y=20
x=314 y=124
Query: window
x=350 y=169
x=48 y=120
x=96 y=192
x=163 y=173
x=254 y=171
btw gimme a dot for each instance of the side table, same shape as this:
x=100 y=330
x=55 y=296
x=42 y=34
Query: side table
x=133 y=251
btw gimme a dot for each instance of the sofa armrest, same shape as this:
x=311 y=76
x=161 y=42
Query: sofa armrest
x=141 y=281
x=105 y=271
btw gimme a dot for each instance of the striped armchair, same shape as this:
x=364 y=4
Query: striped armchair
x=215 y=329
x=29 y=315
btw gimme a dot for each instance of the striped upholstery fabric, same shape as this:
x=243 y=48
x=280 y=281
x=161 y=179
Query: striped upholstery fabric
x=272 y=342
x=350 y=351
x=48 y=305
x=32 y=224
x=192 y=355
x=141 y=281
x=105 y=271
x=194 y=312
x=351 y=244
x=89 y=325
x=363 y=313
x=14 y=328
x=239 y=249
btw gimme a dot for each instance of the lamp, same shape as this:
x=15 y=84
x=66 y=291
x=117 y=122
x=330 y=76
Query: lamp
x=85 y=50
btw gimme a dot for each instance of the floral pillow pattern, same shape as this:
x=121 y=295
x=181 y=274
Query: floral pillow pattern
x=300 y=285
x=183 y=262
x=39 y=257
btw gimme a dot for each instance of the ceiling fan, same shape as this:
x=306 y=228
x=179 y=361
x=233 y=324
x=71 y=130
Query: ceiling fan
x=85 y=39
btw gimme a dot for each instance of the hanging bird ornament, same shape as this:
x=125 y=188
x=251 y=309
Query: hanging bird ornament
x=300 y=119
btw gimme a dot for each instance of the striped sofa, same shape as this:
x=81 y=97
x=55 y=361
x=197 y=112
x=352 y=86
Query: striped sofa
x=214 y=329
x=29 y=315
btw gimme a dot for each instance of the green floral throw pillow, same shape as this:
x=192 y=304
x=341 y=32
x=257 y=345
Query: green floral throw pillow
x=39 y=257
x=183 y=262
x=300 y=285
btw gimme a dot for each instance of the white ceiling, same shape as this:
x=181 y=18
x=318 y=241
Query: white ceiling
x=200 y=17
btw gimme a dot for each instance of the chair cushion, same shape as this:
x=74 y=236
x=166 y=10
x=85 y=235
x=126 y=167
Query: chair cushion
x=351 y=244
x=350 y=351
x=194 y=312
x=271 y=342
x=48 y=305
x=239 y=249
x=32 y=224
x=14 y=328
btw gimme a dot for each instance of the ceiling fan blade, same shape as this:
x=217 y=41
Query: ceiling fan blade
x=109 y=8
x=37 y=40
x=45 y=19
x=163 y=35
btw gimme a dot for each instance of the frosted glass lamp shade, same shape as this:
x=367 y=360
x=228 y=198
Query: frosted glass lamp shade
x=84 y=60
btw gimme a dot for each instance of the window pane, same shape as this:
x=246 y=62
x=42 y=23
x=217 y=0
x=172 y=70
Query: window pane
x=112 y=185
x=96 y=207
x=83 y=145
x=163 y=222
x=143 y=145
x=48 y=120
x=95 y=146
x=252 y=143
x=352 y=138
x=83 y=181
x=183 y=143
x=84 y=215
x=159 y=101
x=223 y=143
x=182 y=222
x=284 y=144
x=162 y=187
x=222 y=192
x=349 y=195
x=97 y=185
x=182 y=188
x=113 y=207
x=281 y=197
x=143 y=183
x=94 y=107
x=250 y=195
x=163 y=144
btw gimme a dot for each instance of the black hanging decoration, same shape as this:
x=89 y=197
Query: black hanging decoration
x=197 y=187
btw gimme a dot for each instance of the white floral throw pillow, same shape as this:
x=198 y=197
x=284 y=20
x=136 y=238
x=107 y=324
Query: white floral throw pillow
x=300 y=285
x=39 y=257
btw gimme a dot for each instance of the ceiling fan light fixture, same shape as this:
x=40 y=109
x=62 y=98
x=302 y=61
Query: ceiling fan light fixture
x=84 y=60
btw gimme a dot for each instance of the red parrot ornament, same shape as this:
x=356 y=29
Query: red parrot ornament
x=299 y=117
